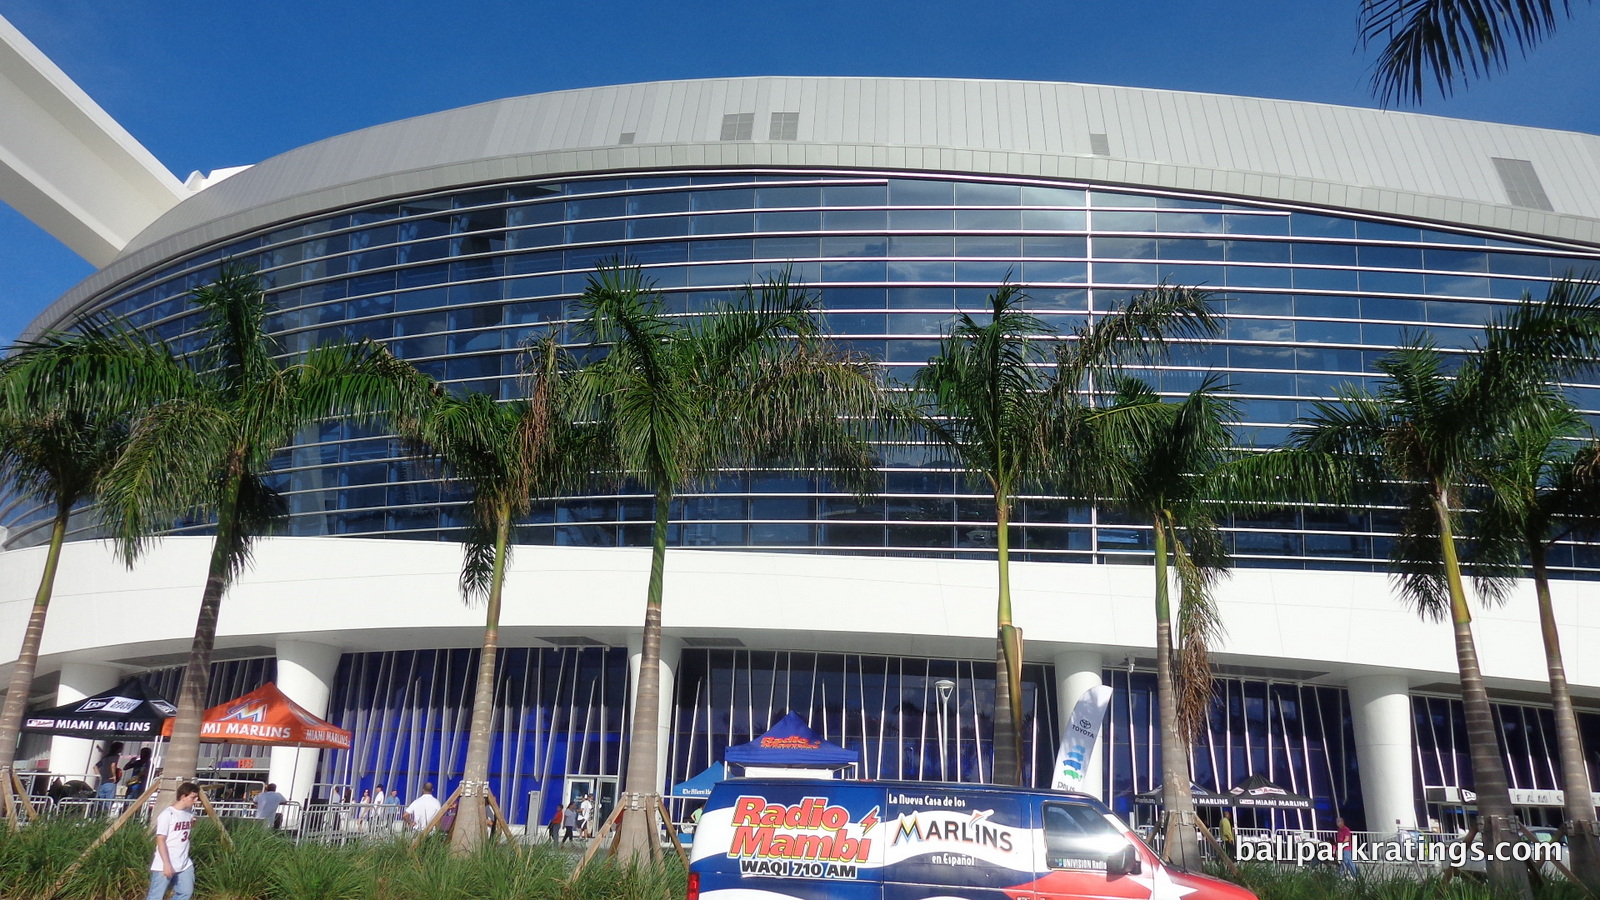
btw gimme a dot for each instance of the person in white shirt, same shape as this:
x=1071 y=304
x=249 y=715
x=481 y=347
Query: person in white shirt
x=171 y=865
x=423 y=809
x=267 y=803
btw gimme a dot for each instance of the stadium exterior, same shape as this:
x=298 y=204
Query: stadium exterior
x=1326 y=234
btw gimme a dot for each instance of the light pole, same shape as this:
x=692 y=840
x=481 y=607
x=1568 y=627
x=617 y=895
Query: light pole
x=944 y=686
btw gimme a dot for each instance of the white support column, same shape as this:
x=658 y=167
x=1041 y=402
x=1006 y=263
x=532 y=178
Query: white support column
x=305 y=674
x=671 y=650
x=1380 y=707
x=1076 y=672
x=70 y=756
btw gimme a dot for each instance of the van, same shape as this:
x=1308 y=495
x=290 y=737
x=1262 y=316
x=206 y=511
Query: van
x=772 y=838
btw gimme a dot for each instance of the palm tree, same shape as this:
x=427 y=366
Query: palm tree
x=995 y=404
x=748 y=383
x=507 y=453
x=1170 y=470
x=58 y=439
x=57 y=455
x=1450 y=42
x=1417 y=443
x=200 y=448
x=1543 y=487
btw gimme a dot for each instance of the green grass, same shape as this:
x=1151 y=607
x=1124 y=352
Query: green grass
x=265 y=865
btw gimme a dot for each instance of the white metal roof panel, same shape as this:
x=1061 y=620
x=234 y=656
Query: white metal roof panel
x=1362 y=160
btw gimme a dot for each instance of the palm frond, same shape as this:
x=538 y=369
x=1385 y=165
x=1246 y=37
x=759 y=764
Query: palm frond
x=1139 y=331
x=1199 y=560
x=100 y=367
x=1574 y=497
x=362 y=381
x=1449 y=42
x=1416 y=560
x=808 y=407
x=237 y=350
x=172 y=468
x=986 y=390
x=257 y=510
x=477 y=564
x=624 y=312
x=58 y=454
x=1534 y=345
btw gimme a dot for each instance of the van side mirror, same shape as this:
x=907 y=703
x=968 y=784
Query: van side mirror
x=1123 y=862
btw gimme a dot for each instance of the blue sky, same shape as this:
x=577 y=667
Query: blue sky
x=209 y=85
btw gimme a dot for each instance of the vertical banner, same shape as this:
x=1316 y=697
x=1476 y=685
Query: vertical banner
x=1083 y=732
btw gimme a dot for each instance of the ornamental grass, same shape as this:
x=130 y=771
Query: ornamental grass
x=265 y=865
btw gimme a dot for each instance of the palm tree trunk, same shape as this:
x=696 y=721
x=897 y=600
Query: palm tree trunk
x=1182 y=842
x=471 y=820
x=1583 y=849
x=183 y=749
x=638 y=832
x=1008 y=765
x=16 y=704
x=1488 y=766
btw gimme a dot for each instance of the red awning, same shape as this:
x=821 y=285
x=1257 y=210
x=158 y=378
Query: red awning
x=267 y=716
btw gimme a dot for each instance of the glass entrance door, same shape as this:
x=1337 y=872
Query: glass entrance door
x=601 y=793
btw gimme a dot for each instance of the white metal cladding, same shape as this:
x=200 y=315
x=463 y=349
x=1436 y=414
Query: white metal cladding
x=1366 y=148
x=1363 y=160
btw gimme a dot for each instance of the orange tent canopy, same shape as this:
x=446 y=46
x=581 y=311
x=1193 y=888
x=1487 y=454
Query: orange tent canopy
x=267 y=716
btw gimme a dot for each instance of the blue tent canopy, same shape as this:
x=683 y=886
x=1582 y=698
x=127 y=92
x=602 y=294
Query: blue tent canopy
x=791 y=742
x=701 y=784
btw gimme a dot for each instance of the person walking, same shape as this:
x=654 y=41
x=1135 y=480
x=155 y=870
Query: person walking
x=555 y=824
x=1229 y=842
x=1345 y=840
x=171 y=866
x=586 y=816
x=569 y=820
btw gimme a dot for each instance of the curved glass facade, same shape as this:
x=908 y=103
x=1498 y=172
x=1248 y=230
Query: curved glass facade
x=457 y=282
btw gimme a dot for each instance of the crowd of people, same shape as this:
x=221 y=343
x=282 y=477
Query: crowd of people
x=576 y=819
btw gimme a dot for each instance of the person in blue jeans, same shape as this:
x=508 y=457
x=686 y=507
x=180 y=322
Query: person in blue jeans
x=172 y=866
x=1345 y=840
x=108 y=770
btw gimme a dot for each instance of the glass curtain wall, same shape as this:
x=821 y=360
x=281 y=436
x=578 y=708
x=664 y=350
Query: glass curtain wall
x=456 y=282
x=911 y=719
x=1297 y=735
x=559 y=713
x=1527 y=738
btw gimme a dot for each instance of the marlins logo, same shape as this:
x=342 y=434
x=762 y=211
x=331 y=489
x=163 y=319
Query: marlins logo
x=249 y=711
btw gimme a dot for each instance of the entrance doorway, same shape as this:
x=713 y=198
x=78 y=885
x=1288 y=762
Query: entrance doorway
x=604 y=790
